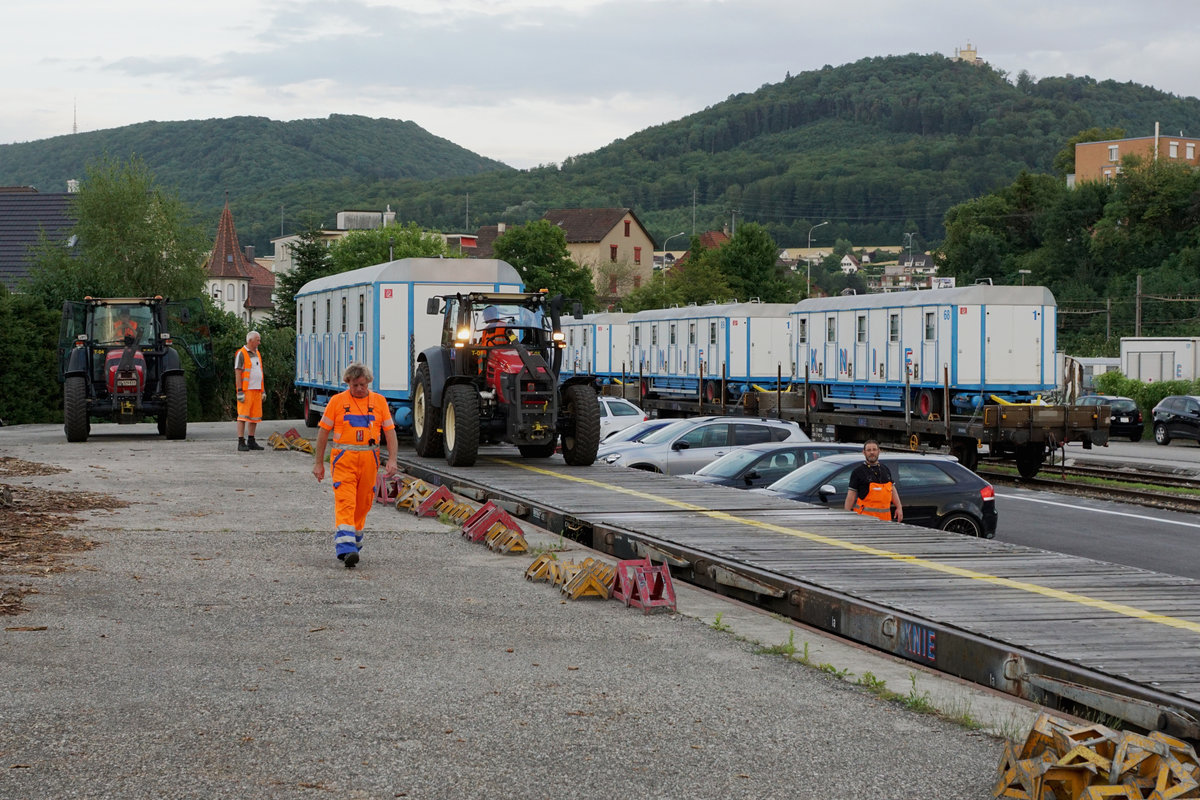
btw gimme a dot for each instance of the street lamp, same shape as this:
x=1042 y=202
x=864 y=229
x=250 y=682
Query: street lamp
x=808 y=258
x=665 y=241
x=1023 y=273
x=910 y=236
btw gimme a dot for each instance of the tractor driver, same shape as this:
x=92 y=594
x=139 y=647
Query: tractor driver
x=494 y=332
x=124 y=326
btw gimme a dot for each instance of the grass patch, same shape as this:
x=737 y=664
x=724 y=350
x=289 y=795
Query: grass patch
x=719 y=624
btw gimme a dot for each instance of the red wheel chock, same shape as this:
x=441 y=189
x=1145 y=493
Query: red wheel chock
x=644 y=585
x=495 y=527
x=386 y=489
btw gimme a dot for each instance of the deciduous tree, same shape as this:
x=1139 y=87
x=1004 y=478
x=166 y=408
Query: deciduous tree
x=132 y=238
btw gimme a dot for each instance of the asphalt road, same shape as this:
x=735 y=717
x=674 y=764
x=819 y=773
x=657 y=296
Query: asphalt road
x=211 y=646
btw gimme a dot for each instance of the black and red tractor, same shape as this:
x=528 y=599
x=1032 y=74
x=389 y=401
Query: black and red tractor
x=118 y=362
x=495 y=377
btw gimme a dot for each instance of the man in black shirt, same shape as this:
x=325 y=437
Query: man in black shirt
x=871 y=490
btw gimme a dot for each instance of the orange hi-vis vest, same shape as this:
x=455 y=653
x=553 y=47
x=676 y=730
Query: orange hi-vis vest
x=246 y=364
x=877 y=503
x=493 y=337
x=126 y=327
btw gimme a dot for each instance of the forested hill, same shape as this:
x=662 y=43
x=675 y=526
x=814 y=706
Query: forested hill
x=879 y=147
x=248 y=156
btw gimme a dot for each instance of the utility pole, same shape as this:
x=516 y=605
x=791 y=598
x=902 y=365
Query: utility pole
x=1137 y=318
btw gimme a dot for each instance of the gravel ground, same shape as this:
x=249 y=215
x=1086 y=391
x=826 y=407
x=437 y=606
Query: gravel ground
x=211 y=646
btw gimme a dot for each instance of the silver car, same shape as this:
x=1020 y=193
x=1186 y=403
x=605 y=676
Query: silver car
x=689 y=444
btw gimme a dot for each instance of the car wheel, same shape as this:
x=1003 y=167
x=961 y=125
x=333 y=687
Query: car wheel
x=964 y=524
x=1160 y=434
x=1136 y=436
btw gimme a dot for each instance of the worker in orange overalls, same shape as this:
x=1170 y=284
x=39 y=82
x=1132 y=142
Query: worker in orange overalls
x=357 y=419
x=871 y=490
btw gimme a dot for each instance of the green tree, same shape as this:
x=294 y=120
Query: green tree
x=538 y=251
x=749 y=262
x=28 y=357
x=379 y=245
x=132 y=238
x=310 y=260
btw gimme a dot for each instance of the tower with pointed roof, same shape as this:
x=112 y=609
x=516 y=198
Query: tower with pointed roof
x=237 y=283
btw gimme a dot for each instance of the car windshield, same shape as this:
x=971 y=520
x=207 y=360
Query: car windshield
x=807 y=479
x=730 y=465
x=668 y=433
x=636 y=432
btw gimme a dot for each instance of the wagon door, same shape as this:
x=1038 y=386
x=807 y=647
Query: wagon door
x=739 y=348
x=969 y=347
x=1013 y=337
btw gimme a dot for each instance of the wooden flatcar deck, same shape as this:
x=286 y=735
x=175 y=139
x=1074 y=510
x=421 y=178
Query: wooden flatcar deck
x=1029 y=622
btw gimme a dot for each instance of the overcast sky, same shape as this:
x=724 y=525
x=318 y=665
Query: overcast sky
x=527 y=82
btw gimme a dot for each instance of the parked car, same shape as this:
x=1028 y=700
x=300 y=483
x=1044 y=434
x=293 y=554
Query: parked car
x=757 y=465
x=1177 y=417
x=637 y=431
x=617 y=413
x=936 y=491
x=686 y=445
x=1126 y=416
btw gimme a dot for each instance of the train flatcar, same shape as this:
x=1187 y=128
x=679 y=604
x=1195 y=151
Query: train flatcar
x=877 y=352
x=597 y=345
x=688 y=351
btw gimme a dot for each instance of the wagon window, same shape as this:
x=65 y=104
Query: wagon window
x=894 y=328
x=362 y=312
x=712 y=333
x=672 y=333
x=691 y=333
x=637 y=336
x=654 y=336
x=930 y=326
x=831 y=329
x=802 y=330
x=862 y=329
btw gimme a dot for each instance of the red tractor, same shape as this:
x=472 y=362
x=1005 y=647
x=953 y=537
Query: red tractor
x=119 y=362
x=494 y=377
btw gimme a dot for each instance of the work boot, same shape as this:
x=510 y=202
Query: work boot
x=253 y=445
x=351 y=560
x=242 y=446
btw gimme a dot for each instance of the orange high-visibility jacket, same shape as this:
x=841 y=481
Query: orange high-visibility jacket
x=245 y=360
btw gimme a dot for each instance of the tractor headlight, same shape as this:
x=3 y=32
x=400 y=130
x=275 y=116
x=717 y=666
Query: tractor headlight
x=559 y=336
x=462 y=337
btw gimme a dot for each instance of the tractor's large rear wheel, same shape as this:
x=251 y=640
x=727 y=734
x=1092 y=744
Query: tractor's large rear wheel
x=460 y=429
x=427 y=440
x=176 y=391
x=580 y=404
x=75 y=413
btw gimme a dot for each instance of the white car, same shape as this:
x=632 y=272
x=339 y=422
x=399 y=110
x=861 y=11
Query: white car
x=617 y=413
x=689 y=444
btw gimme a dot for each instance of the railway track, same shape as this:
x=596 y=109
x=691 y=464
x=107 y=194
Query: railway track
x=1154 y=490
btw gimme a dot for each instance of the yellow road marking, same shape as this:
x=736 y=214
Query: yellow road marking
x=934 y=566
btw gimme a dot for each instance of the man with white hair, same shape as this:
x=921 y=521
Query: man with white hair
x=248 y=378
